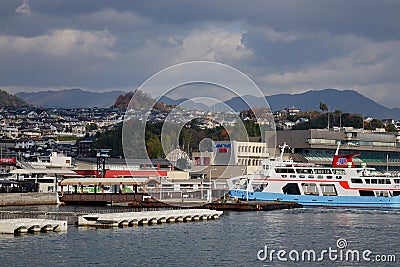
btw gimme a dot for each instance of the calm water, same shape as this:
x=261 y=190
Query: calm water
x=233 y=240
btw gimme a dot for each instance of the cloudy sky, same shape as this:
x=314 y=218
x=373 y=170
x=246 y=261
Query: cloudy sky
x=284 y=46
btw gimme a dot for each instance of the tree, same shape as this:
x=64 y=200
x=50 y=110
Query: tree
x=390 y=127
x=111 y=139
x=323 y=107
x=373 y=124
x=154 y=148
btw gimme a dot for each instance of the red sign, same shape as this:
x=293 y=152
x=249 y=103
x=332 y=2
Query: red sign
x=8 y=160
x=222 y=150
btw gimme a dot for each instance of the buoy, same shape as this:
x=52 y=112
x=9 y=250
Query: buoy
x=124 y=223
x=134 y=223
x=162 y=220
x=21 y=230
x=204 y=217
x=196 y=218
x=143 y=221
x=34 y=229
x=47 y=228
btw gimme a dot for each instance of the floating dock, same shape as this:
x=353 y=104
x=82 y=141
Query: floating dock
x=29 y=225
x=147 y=217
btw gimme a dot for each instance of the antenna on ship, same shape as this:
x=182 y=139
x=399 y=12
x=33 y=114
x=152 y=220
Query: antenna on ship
x=337 y=149
x=283 y=150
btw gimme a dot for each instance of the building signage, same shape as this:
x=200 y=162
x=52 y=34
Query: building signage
x=223 y=145
x=8 y=160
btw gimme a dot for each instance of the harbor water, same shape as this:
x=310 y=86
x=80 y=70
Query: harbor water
x=235 y=239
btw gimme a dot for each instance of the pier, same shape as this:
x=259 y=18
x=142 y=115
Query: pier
x=30 y=225
x=147 y=217
x=100 y=199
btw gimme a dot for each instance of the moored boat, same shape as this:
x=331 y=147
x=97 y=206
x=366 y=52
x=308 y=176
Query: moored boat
x=339 y=185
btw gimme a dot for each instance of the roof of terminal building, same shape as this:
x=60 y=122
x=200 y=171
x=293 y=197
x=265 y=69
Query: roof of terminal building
x=41 y=171
x=103 y=181
x=128 y=161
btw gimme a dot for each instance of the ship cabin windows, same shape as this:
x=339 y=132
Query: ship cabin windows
x=284 y=170
x=339 y=171
x=378 y=181
x=320 y=177
x=396 y=181
x=356 y=181
x=329 y=176
x=310 y=189
x=322 y=171
x=311 y=177
x=396 y=193
x=366 y=193
x=302 y=176
x=260 y=187
x=305 y=171
x=382 y=193
x=328 y=189
x=291 y=189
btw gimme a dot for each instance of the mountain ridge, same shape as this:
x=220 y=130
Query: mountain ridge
x=346 y=100
x=70 y=98
x=7 y=99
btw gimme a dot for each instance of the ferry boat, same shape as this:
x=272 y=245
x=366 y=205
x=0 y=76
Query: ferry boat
x=340 y=185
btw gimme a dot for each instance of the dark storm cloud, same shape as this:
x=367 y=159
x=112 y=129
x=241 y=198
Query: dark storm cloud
x=285 y=46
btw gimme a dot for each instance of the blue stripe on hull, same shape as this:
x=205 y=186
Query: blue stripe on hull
x=321 y=201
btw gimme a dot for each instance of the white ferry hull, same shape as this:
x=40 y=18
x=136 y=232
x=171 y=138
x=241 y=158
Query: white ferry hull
x=321 y=201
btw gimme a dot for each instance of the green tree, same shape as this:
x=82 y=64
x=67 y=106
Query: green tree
x=390 y=127
x=373 y=124
x=111 y=139
x=154 y=148
x=186 y=139
x=323 y=107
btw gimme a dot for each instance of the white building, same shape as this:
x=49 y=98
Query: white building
x=246 y=154
x=54 y=161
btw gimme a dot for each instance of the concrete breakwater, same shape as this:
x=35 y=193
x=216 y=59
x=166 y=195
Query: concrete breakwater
x=147 y=217
x=24 y=199
x=29 y=225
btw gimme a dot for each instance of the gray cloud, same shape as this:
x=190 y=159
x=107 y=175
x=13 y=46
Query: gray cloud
x=285 y=46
